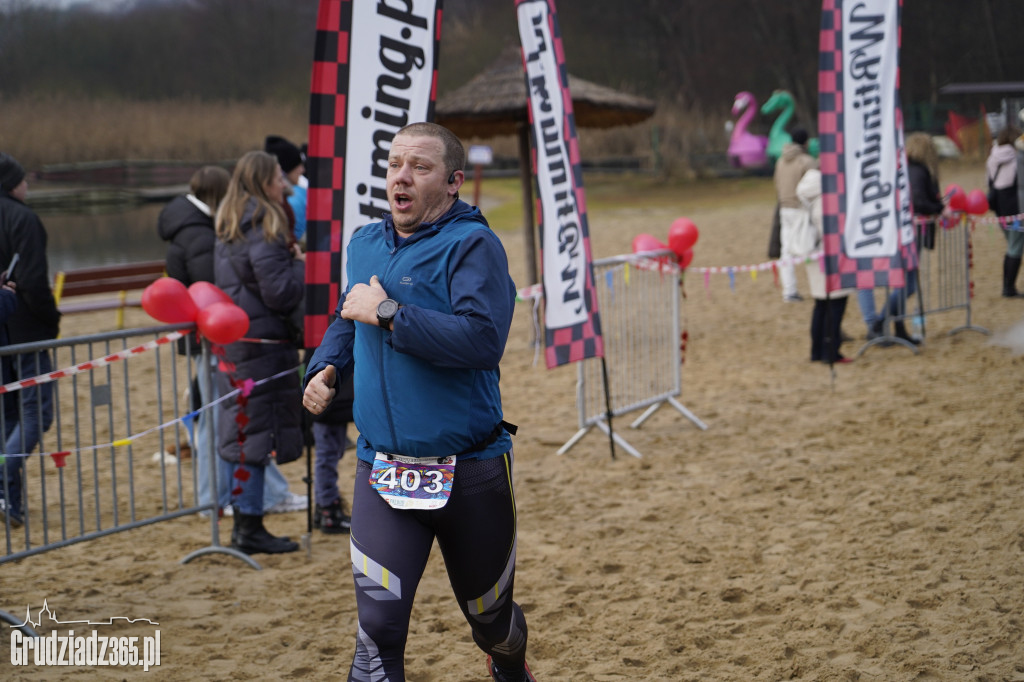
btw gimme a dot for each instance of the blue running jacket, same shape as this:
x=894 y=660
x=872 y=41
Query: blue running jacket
x=429 y=388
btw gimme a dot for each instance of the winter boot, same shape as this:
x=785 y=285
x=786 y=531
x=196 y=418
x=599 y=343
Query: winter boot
x=1011 y=266
x=250 y=536
x=901 y=332
x=875 y=330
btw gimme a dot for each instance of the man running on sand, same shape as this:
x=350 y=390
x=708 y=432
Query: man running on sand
x=423 y=327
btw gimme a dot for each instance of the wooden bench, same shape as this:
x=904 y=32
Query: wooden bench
x=107 y=279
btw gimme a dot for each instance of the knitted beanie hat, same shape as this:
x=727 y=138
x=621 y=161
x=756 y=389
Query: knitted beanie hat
x=11 y=172
x=288 y=155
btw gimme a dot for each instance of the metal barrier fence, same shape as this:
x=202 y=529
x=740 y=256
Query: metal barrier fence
x=640 y=305
x=116 y=404
x=944 y=280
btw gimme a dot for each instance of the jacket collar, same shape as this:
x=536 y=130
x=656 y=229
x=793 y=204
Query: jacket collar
x=459 y=210
x=4 y=194
x=199 y=204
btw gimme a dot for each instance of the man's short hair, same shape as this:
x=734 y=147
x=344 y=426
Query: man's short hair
x=454 y=154
x=799 y=136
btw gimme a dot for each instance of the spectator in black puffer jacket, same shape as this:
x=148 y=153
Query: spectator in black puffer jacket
x=187 y=223
x=266 y=278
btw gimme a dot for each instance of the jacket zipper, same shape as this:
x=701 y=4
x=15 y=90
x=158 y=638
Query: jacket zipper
x=383 y=378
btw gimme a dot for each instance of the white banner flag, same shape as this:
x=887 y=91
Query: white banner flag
x=870 y=34
x=571 y=320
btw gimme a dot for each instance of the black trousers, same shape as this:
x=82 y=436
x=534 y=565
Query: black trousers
x=476 y=533
x=826 y=323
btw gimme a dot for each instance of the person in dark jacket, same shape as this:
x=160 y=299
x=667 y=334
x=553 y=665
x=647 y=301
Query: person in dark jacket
x=36 y=318
x=923 y=177
x=423 y=325
x=8 y=304
x=186 y=223
x=328 y=429
x=264 y=276
x=1001 y=167
x=330 y=439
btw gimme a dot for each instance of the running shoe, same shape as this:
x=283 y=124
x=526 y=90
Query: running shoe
x=498 y=676
x=332 y=519
x=291 y=503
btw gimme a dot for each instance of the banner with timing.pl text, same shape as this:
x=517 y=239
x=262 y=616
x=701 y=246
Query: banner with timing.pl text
x=571 y=320
x=865 y=194
x=374 y=71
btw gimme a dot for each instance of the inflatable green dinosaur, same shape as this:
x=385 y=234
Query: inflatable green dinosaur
x=778 y=136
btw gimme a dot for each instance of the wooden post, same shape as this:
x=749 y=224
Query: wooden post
x=526 y=180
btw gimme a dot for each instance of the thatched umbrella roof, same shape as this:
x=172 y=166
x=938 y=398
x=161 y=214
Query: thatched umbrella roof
x=494 y=102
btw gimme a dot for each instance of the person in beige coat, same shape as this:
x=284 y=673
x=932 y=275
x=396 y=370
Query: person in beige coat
x=829 y=307
x=789 y=169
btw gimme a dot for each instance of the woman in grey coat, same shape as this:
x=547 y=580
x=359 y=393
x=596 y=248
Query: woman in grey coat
x=264 y=275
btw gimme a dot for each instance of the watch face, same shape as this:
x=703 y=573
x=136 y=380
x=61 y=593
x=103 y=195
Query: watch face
x=387 y=308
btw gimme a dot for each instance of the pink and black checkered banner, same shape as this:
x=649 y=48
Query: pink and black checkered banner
x=572 y=325
x=374 y=71
x=866 y=208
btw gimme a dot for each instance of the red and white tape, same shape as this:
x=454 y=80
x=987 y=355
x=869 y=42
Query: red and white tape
x=89 y=365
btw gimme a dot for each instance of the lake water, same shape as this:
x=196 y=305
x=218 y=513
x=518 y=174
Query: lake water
x=103 y=237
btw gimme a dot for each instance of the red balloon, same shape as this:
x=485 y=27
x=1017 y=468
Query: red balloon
x=167 y=300
x=686 y=259
x=977 y=202
x=682 y=235
x=204 y=294
x=956 y=198
x=222 y=322
x=646 y=242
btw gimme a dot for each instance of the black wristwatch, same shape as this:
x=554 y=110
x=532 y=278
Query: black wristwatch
x=386 y=310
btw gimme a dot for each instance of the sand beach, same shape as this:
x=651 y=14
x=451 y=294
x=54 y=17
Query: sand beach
x=861 y=522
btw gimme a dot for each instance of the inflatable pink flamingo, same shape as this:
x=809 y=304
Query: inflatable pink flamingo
x=746 y=150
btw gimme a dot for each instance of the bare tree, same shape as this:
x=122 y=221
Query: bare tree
x=700 y=52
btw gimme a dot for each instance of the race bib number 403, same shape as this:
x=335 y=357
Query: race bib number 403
x=413 y=482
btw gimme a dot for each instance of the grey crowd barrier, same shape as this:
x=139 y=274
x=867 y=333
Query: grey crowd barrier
x=118 y=404
x=639 y=302
x=943 y=281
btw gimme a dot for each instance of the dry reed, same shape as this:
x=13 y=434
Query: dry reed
x=57 y=129
x=40 y=131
